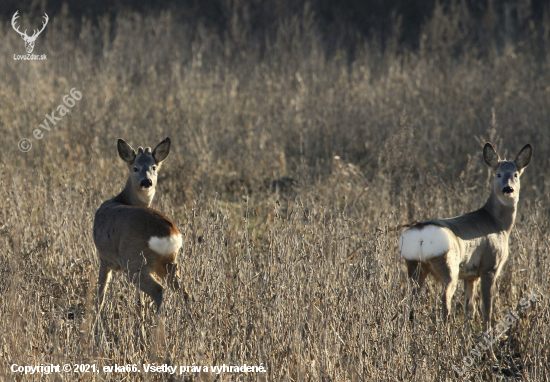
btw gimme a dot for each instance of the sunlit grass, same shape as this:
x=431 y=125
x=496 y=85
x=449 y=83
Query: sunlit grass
x=301 y=275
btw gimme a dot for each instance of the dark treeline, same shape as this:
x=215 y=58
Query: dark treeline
x=341 y=24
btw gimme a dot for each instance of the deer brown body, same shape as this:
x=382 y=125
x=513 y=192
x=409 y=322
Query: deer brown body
x=132 y=237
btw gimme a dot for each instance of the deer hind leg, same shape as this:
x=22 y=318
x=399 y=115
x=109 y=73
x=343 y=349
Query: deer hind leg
x=143 y=270
x=149 y=285
x=142 y=274
x=449 y=275
x=469 y=296
x=167 y=269
x=172 y=273
x=417 y=273
x=450 y=288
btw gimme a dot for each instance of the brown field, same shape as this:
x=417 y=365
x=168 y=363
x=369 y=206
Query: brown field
x=291 y=172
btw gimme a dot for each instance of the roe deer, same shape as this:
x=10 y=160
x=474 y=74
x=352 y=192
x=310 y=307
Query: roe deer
x=473 y=246
x=131 y=236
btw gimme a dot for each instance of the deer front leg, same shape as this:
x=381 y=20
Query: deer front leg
x=487 y=286
x=102 y=282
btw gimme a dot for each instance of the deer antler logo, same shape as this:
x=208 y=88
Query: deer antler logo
x=29 y=41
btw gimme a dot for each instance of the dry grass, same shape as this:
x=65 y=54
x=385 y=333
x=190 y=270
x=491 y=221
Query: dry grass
x=303 y=277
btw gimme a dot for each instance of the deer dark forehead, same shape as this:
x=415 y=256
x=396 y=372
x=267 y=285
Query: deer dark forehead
x=145 y=159
x=508 y=165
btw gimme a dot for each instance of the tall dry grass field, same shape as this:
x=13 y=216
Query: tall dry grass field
x=291 y=172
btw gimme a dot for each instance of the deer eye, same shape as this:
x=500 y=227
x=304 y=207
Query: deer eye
x=136 y=169
x=516 y=175
x=498 y=175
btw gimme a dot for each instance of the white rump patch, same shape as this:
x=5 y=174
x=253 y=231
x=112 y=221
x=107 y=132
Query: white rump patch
x=424 y=243
x=165 y=245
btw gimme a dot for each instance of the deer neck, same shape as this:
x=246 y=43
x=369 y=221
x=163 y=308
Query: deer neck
x=133 y=197
x=503 y=214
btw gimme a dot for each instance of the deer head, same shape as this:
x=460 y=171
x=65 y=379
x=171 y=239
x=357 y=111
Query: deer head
x=29 y=41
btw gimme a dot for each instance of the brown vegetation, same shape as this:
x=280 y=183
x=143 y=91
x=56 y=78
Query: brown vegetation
x=289 y=177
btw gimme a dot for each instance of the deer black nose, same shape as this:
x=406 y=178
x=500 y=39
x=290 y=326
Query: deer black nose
x=146 y=183
x=507 y=190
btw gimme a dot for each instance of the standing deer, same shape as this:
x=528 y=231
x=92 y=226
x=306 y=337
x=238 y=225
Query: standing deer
x=131 y=236
x=29 y=40
x=473 y=246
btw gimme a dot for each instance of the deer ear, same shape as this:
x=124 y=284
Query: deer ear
x=490 y=156
x=524 y=157
x=125 y=151
x=162 y=150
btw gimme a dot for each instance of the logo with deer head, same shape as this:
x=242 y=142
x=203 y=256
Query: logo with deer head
x=29 y=40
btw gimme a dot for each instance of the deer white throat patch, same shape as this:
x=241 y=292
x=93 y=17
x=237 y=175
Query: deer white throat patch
x=165 y=245
x=146 y=196
x=424 y=243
